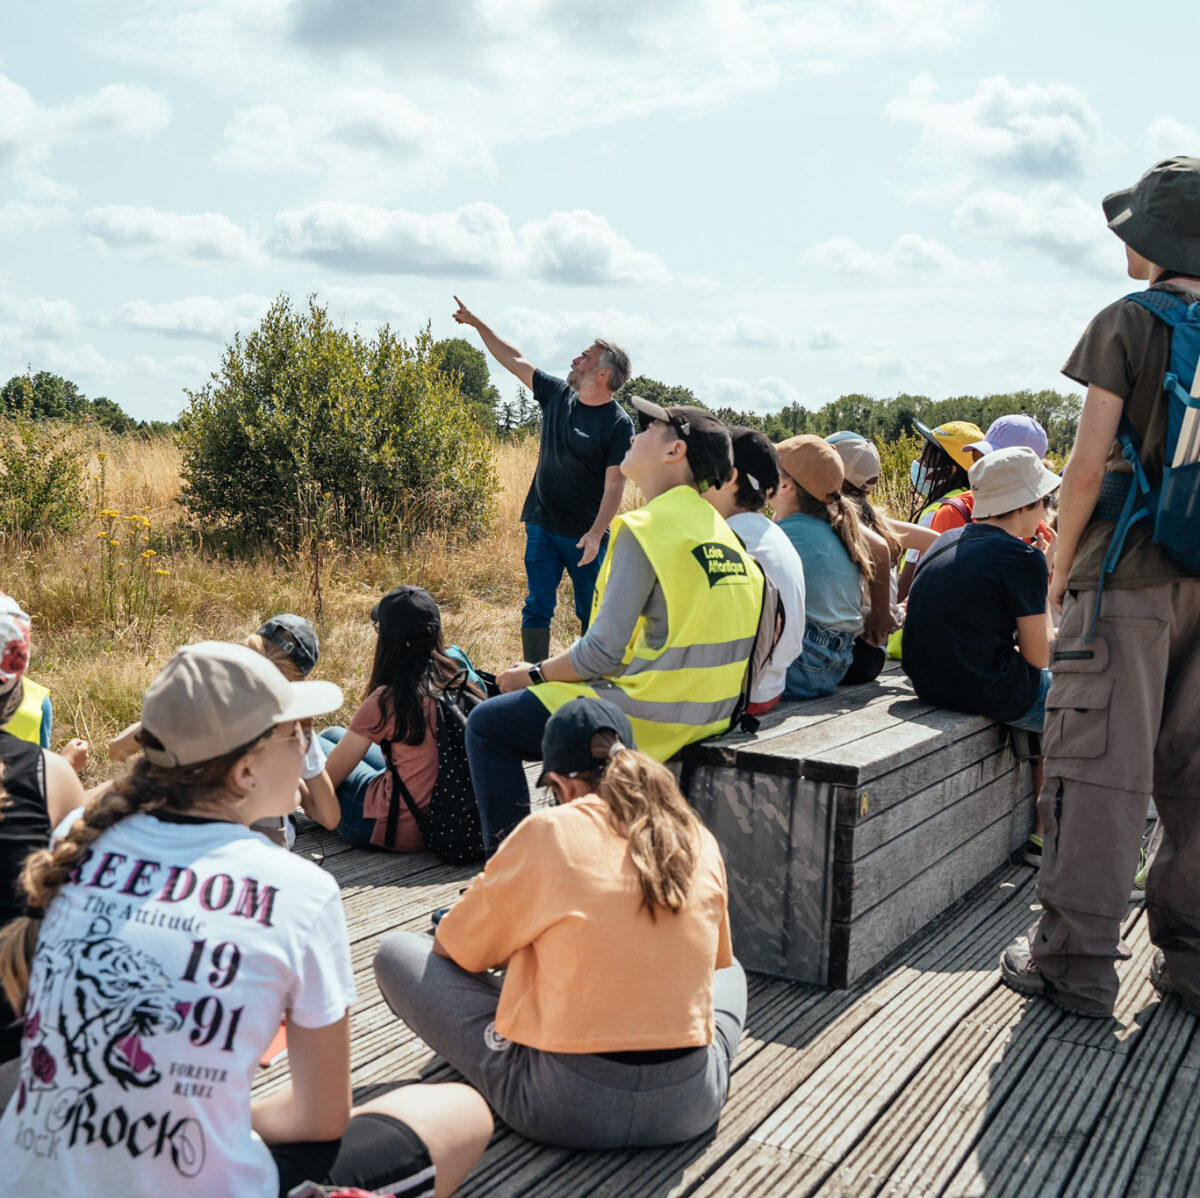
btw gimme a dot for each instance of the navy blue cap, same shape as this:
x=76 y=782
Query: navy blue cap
x=296 y=637
x=567 y=740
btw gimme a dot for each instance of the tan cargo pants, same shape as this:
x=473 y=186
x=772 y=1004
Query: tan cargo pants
x=1122 y=724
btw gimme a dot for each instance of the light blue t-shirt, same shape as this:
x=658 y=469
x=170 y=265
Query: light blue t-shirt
x=833 y=583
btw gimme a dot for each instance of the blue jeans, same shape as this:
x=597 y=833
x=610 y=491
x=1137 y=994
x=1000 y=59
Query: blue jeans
x=503 y=732
x=547 y=554
x=1034 y=719
x=823 y=661
x=355 y=828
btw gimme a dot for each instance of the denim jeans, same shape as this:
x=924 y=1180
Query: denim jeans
x=547 y=554
x=355 y=828
x=1035 y=718
x=822 y=663
x=502 y=733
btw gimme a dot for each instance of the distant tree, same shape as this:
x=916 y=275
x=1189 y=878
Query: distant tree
x=112 y=416
x=467 y=365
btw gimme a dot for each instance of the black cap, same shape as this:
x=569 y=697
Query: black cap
x=567 y=739
x=755 y=458
x=296 y=637
x=1159 y=216
x=709 y=450
x=404 y=609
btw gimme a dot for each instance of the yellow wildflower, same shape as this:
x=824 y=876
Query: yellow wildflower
x=149 y=553
x=162 y=573
x=102 y=536
x=109 y=514
x=102 y=456
x=86 y=568
x=115 y=544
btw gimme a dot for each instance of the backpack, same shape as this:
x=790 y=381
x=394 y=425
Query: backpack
x=956 y=502
x=772 y=619
x=450 y=825
x=1173 y=506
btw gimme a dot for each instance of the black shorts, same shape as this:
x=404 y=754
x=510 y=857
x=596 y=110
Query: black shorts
x=376 y=1153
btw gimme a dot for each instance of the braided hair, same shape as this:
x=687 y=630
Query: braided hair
x=145 y=788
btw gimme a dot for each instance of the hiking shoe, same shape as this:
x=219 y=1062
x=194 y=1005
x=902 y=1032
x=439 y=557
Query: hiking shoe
x=1138 y=893
x=1019 y=972
x=1033 y=851
x=1165 y=984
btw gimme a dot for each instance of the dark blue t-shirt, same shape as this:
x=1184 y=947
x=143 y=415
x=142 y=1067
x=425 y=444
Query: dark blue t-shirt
x=961 y=626
x=579 y=443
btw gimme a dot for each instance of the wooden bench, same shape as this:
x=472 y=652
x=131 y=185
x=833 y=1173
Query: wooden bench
x=849 y=823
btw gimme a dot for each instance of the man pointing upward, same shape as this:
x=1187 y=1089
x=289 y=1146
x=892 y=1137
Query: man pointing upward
x=577 y=486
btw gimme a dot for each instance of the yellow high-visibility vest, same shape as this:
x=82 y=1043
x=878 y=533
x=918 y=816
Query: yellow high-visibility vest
x=686 y=690
x=26 y=723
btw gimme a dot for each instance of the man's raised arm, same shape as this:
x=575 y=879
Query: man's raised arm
x=507 y=355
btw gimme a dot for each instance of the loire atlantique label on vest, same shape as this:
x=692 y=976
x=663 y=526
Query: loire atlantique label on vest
x=719 y=562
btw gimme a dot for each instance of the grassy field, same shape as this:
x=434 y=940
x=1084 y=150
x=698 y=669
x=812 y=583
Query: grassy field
x=106 y=617
x=111 y=602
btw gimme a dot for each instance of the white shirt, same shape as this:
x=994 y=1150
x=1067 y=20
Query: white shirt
x=770 y=547
x=162 y=971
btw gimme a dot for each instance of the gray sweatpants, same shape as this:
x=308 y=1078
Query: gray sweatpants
x=1120 y=726
x=573 y=1099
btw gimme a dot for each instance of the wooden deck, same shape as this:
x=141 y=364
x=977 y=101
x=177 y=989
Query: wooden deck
x=927 y=1077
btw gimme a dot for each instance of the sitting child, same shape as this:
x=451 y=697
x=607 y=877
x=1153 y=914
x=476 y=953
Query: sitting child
x=753 y=484
x=621 y=1006
x=977 y=633
x=827 y=534
x=411 y=667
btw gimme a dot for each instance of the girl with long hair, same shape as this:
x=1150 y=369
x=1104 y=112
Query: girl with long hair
x=824 y=528
x=621 y=1005
x=398 y=716
x=161 y=945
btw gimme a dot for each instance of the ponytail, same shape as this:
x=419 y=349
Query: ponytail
x=869 y=515
x=840 y=515
x=647 y=809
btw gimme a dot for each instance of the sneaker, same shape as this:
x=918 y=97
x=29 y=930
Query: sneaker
x=1165 y=984
x=1019 y=972
x=1033 y=851
x=1138 y=893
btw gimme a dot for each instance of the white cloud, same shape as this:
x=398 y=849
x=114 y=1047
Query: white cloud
x=911 y=260
x=18 y=216
x=824 y=336
x=204 y=236
x=1168 y=137
x=769 y=394
x=22 y=319
x=370 y=132
x=29 y=130
x=1037 y=132
x=475 y=240
x=1052 y=221
x=42 y=187
x=195 y=316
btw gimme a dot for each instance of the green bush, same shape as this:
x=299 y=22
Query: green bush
x=41 y=479
x=310 y=427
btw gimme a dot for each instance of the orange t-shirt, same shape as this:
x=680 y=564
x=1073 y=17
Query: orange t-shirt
x=948 y=516
x=588 y=970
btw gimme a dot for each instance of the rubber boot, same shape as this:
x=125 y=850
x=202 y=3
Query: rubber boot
x=535 y=644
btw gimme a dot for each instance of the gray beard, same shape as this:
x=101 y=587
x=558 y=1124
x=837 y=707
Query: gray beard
x=573 y=379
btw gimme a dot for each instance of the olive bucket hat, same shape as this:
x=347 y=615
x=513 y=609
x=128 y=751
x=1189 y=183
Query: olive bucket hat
x=1159 y=216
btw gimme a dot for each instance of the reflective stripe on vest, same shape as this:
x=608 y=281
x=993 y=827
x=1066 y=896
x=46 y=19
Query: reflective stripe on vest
x=689 y=688
x=26 y=723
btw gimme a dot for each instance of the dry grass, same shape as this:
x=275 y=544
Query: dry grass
x=96 y=672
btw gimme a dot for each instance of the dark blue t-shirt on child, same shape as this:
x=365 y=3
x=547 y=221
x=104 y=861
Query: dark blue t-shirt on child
x=579 y=443
x=961 y=626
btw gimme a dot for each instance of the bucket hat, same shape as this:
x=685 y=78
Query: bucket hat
x=1159 y=216
x=1009 y=479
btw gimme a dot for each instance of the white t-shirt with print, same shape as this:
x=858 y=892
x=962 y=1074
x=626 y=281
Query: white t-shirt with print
x=768 y=544
x=162 y=970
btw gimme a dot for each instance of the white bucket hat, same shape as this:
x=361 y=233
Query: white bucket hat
x=1009 y=479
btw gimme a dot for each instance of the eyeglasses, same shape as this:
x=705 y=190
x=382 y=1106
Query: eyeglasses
x=304 y=736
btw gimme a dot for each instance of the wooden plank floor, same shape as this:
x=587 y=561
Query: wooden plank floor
x=928 y=1077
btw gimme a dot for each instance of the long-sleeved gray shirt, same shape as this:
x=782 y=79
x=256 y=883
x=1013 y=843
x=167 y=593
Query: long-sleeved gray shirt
x=632 y=591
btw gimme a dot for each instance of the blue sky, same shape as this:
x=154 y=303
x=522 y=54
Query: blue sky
x=766 y=202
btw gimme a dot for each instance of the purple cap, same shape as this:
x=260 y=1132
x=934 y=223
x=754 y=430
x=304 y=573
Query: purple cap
x=1007 y=432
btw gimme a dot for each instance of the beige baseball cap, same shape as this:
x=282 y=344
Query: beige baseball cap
x=813 y=465
x=860 y=458
x=1007 y=479
x=214 y=697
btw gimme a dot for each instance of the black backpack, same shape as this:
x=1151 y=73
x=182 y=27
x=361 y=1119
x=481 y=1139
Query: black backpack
x=450 y=825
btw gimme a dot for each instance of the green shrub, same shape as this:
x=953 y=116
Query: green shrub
x=41 y=479
x=305 y=422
